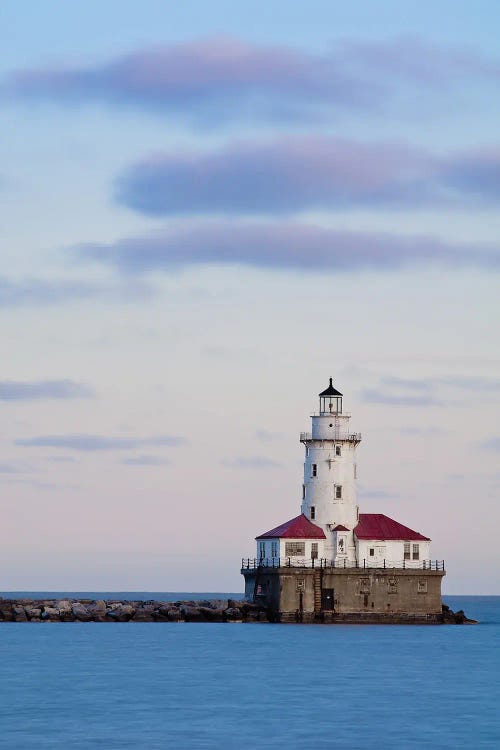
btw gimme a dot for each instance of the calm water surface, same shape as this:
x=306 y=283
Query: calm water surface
x=197 y=685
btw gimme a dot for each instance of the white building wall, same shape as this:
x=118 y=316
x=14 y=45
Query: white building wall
x=268 y=548
x=392 y=551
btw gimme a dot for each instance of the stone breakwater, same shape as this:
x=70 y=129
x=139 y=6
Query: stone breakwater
x=99 y=610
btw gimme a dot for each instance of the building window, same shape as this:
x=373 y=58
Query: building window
x=422 y=587
x=314 y=550
x=303 y=492
x=293 y=549
x=372 y=552
x=314 y=470
x=416 y=552
x=313 y=512
x=341 y=545
x=274 y=549
x=262 y=550
x=338 y=450
x=338 y=491
x=406 y=555
x=307 y=450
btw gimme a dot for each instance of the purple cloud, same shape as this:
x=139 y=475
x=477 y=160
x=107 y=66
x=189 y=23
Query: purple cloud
x=13 y=390
x=222 y=78
x=298 y=173
x=282 y=245
x=80 y=442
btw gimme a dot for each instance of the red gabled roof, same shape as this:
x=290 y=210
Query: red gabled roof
x=296 y=528
x=378 y=526
x=339 y=527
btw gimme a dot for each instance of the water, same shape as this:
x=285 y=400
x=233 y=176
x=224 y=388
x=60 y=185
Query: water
x=201 y=685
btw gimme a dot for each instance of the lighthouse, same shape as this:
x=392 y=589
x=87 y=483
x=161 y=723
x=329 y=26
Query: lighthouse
x=332 y=562
x=329 y=496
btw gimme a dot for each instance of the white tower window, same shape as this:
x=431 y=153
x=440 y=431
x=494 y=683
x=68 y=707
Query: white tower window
x=303 y=492
x=338 y=491
x=338 y=450
x=314 y=470
x=313 y=512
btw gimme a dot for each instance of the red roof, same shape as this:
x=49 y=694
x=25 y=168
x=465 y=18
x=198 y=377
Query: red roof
x=296 y=528
x=378 y=526
x=340 y=528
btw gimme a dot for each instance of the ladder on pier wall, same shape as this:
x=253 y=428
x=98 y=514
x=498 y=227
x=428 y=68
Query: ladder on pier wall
x=317 y=590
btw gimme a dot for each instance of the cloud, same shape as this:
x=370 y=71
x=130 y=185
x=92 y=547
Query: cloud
x=376 y=396
x=45 y=292
x=224 y=78
x=80 y=442
x=286 y=245
x=492 y=444
x=145 y=461
x=252 y=462
x=13 y=390
x=304 y=173
x=7 y=468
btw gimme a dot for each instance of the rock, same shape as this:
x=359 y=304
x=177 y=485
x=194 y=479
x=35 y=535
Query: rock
x=122 y=613
x=6 y=611
x=232 y=614
x=50 y=613
x=19 y=613
x=98 y=606
x=144 y=613
x=33 y=613
x=210 y=614
x=174 y=614
x=191 y=613
x=81 y=613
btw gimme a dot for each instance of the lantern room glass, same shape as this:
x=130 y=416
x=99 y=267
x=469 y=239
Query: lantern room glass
x=330 y=404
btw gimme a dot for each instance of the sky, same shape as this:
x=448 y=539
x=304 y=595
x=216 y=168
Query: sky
x=207 y=210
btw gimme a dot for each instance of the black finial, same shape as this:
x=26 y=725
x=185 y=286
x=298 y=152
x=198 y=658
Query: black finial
x=331 y=382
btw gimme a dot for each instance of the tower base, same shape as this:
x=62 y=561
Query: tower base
x=353 y=595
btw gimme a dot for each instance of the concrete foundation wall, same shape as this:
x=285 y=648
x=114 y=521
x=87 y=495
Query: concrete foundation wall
x=376 y=594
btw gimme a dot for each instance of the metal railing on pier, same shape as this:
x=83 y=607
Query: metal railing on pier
x=254 y=563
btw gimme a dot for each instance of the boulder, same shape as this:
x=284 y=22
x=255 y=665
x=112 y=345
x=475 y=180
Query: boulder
x=33 y=613
x=174 y=614
x=80 y=612
x=122 y=613
x=50 y=613
x=232 y=614
x=191 y=613
x=19 y=613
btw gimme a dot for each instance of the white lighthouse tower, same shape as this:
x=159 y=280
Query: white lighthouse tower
x=329 y=497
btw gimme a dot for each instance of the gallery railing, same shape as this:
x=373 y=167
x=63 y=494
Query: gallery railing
x=254 y=563
x=352 y=437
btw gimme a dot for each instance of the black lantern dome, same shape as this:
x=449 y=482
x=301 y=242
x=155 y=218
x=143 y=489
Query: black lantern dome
x=330 y=400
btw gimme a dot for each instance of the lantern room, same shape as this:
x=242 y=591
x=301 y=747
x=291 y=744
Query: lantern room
x=330 y=400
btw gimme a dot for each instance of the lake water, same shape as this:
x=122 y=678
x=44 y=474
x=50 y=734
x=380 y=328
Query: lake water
x=245 y=686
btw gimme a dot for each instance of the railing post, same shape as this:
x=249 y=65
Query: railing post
x=344 y=562
x=312 y=559
x=364 y=563
x=384 y=563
